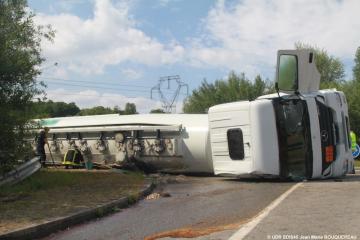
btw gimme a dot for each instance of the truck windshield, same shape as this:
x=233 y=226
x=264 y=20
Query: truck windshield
x=295 y=151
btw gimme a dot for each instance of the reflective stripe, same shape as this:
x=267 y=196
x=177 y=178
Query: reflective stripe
x=353 y=140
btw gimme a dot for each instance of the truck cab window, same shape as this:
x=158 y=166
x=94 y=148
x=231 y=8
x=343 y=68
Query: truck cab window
x=295 y=150
x=288 y=73
x=235 y=144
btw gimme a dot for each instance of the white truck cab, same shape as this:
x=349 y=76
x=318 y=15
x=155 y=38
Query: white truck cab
x=300 y=132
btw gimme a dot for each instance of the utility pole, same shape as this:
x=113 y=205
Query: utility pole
x=169 y=106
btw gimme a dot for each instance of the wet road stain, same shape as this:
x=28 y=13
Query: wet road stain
x=192 y=232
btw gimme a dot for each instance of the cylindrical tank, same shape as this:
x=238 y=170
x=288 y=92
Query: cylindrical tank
x=168 y=142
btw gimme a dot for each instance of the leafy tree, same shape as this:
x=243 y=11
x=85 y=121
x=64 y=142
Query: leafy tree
x=20 y=58
x=118 y=110
x=356 y=68
x=235 y=88
x=330 y=67
x=98 y=110
x=130 y=108
x=61 y=109
x=158 y=110
x=51 y=109
x=352 y=92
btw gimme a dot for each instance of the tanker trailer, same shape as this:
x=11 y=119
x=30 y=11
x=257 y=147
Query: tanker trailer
x=174 y=143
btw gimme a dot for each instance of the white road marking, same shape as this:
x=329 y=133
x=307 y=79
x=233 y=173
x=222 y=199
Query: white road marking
x=248 y=227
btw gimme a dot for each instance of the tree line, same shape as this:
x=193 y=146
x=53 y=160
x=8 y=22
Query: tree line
x=50 y=109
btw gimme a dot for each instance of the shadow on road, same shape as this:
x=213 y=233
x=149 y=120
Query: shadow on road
x=347 y=178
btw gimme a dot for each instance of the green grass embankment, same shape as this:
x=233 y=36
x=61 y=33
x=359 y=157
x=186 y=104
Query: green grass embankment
x=52 y=193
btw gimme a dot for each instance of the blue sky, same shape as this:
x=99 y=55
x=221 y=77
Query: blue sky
x=110 y=52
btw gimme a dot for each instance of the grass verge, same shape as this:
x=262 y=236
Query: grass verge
x=52 y=193
x=357 y=163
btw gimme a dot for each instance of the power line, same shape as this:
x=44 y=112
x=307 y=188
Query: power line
x=88 y=95
x=97 y=87
x=91 y=82
x=63 y=82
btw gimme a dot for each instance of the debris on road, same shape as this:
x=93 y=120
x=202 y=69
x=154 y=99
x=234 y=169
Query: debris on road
x=155 y=196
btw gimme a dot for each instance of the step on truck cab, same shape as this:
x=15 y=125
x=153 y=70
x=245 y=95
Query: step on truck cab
x=300 y=132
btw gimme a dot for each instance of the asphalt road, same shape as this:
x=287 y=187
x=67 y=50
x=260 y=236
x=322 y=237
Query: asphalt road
x=318 y=210
x=196 y=206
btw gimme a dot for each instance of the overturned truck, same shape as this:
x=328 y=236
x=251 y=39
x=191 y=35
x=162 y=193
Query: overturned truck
x=300 y=132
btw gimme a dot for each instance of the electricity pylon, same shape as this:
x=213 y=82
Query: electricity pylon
x=169 y=106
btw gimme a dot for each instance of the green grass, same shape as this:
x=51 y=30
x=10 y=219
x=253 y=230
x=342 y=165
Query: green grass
x=357 y=163
x=45 y=180
x=52 y=193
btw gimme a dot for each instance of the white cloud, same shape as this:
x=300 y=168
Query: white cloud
x=246 y=35
x=163 y=3
x=59 y=72
x=242 y=36
x=166 y=3
x=109 y=38
x=91 y=98
x=131 y=73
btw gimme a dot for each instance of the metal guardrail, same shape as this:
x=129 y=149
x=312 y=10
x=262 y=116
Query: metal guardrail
x=21 y=172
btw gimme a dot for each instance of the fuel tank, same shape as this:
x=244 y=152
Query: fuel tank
x=163 y=142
